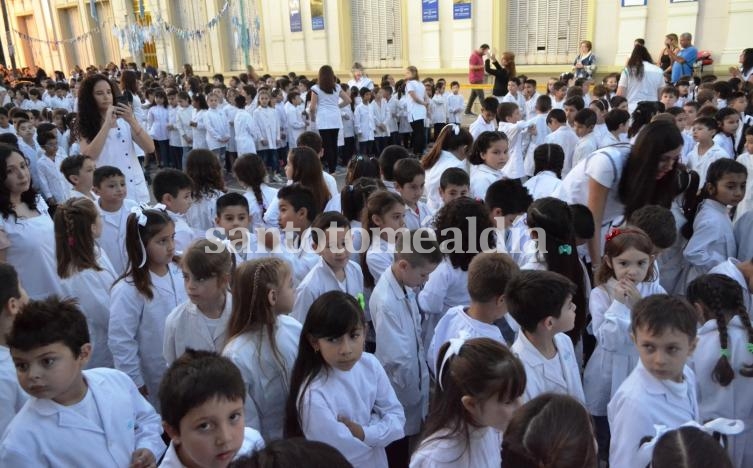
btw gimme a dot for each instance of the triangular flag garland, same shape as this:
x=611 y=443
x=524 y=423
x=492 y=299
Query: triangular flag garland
x=70 y=40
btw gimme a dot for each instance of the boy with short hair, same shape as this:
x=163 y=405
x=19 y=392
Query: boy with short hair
x=485 y=122
x=669 y=96
x=453 y=183
x=572 y=106
x=513 y=86
x=397 y=325
x=617 y=121
x=172 y=188
x=409 y=182
x=5 y=125
x=542 y=303
x=75 y=417
x=661 y=390
x=175 y=141
x=297 y=211
x=706 y=150
x=52 y=184
x=78 y=170
x=583 y=126
x=203 y=386
x=12 y=299
x=488 y=275
x=531 y=96
x=29 y=147
x=559 y=90
x=561 y=134
x=391 y=155
x=110 y=187
x=508 y=201
x=334 y=271
x=511 y=124
x=455 y=104
x=234 y=217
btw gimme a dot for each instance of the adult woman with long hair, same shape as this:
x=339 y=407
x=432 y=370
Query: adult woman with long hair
x=671 y=47
x=327 y=97
x=501 y=72
x=641 y=80
x=417 y=109
x=110 y=132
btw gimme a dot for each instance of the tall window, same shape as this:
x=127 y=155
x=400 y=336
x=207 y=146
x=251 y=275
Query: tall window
x=545 y=31
x=377 y=33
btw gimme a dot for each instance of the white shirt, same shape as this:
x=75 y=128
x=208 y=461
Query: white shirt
x=701 y=163
x=187 y=327
x=454 y=108
x=295 y=121
x=379 y=257
x=267 y=128
x=321 y=279
x=480 y=126
x=560 y=374
x=397 y=324
x=438 y=108
x=183 y=122
x=137 y=327
x=45 y=433
x=482 y=176
x=415 y=219
x=433 y=175
x=266 y=379
x=244 y=132
x=415 y=110
x=202 y=213
x=456 y=323
x=52 y=182
x=364 y=123
x=644 y=89
x=726 y=143
x=642 y=402
x=568 y=140
x=363 y=395
x=730 y=269
x=713 y=240
x=543 y=184
x=174 y=134
x=742 y=229
x=252 y=443
x=746 y=204
x=112 y=240
x=217 y=128
x=447 y=287
x=199 y=132
x=157 y=118
x=483 y=450
x=514 y=169
x=380 y=112
x=327 y=108
x=256 y=210
x=542 y=131
x=586 y=145
x=12 y=396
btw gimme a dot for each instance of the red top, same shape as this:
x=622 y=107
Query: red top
x=476 y=70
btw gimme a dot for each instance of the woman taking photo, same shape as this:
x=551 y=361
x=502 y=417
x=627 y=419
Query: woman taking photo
x=110 y=132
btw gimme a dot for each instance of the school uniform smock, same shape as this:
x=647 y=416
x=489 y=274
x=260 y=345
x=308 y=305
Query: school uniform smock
x=380 y=112
x=183 y=121
x=244 y=127
x=120 y=151
x=568 y=140
x=184 y=235
x=712 y=242
x=52 y=182
x=483 y=451
x=12 y=396
x=454 y=108
x=104 y=429
x=671 y=259
x=446 y=287
x=199 y=132
x=732 y=401
x=397 y=323
x=415 y=219
x=112 y=240
x=295 y=122
x=157 y=118
x=742 y=229
x=560 y=374
x=364 y=123
x=729 y=268
x=456 y=323
x=543 y=184
x=187 y=327
x=433 y=175
x=299 y=253
x=321 y=279
x=91 y=289
x=586 y=145
x=137 y=327
x=542 y=131
x=29 y=245
x=252 y=443
x=217 y=128
x=701 y=163
x=379 y=257
x=746 y=159
x=266 y=379
x=267 y=128
x=173 y=135
x=615 y=355
x=482 y=176
x=256 y=209
x=202 y=212
x=328 y=108
x=363 y=395
x=415 y=110
x=642 y=402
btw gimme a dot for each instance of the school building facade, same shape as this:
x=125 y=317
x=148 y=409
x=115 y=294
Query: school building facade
x=437 y=36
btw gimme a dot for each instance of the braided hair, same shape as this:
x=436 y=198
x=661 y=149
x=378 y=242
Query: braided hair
x=721 y=298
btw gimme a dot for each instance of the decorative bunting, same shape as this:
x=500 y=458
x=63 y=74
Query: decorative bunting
x=69 y=40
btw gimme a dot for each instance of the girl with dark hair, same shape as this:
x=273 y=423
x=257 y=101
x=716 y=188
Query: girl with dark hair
x=641 y=80
x=204 y=169
x=449 y=150
x=111 y=134
x=326 y=99
x=746 y=62
x=416 y=108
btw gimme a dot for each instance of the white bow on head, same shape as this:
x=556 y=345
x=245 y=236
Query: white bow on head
x=452 y=350
x=140 y=216
x=159 y=206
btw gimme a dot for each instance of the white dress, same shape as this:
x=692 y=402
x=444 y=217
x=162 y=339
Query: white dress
x=120 y=151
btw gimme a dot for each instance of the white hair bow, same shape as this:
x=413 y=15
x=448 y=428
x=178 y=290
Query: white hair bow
x=452 y=350
x=159 y=206
x=140 y=216
x=141 y=220
x=455 y=128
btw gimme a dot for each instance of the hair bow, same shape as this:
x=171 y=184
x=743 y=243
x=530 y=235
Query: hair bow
x=455 y=128
x=452 y=350
x=720 y=425
x=159 y=206
x=140 y=216
x=361 y=300
x=613 y=233
x=565 y=249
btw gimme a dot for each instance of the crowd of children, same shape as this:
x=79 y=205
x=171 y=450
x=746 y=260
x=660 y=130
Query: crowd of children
x=561 y=284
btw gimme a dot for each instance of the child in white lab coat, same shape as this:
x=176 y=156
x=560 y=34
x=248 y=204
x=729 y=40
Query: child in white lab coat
x=385 y=213
x=204 y=169
x=203 y=385
x=157 y=121
x=449 y=150
x=488 y=156
x=85 y=272
x=455 y=104
x=201 y=321
x=706 y=151
x=486 y=121
x=711 y=239
x=78 y=170
x=74 y=417
x=409 y=182
x=250 y=172
x=334 y=271
x=626 y=275
x=353 y=200
x=364 y=124
x=172 y=188
x=142 y=298
x=397 y=323
x=244 y=128
x=480 y=383
x=488 y=275
x=52 y=183
x=661 y=389
x=588 y=141
x=217 y=128
x=509 y=116
x=746 y=159
x=340 y=395
x=12 y=396
x=267 y=132
x=263 y=340
x=295 y=117
x=724 y=377
x=110 y=187
x=198 y=125
x=562 y=135
x=447 y=286
x=548 y=160
x=542 y=303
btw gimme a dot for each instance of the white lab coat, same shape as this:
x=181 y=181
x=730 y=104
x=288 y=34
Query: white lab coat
x=440 y=451
x=615 y=355
x=586 y=145
x=299 y=254
x=543 y=184
x=91 y=289
x=482 y=176
x=252 y=443
x=112 y=240
x=712 y=242
x=266 y=379
x=199 y=132
x=732 y=401
x=217 y=128
x=446 y=287
x=267 y=127
x=379 y=257
x=514 y=169
x=729 y=268
x=480 y=126
x=45 y=434
x=244 y=132
x=542 y=131
x=364 y=123
x=380 y=113
x=642 y=402
x=433 y=175
x=269 y=197
x=321 y=279
x=415 y=220
x=742 y=229
x=202 y=212
x=568 y=140
x=295 y=122
x=438 y=108
x=538 y=379
x=455 y=108
x=12 y=396
x=186 y=327
x=137 y=327
x=184 y=235
x=397 y=323
x=363 y=395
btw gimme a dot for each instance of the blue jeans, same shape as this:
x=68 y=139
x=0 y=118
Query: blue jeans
x=162 y=149
x=269 y=156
